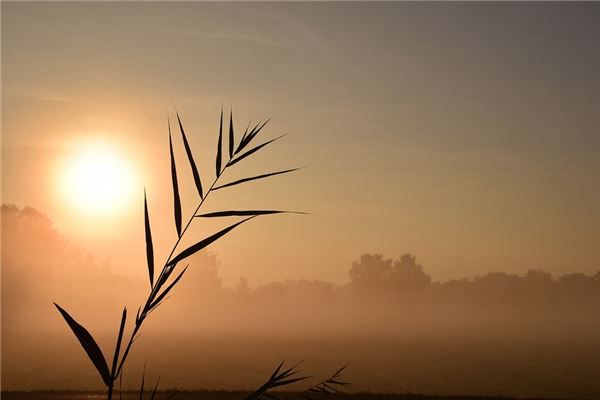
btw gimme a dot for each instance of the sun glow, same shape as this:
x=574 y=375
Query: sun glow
x=98 y=180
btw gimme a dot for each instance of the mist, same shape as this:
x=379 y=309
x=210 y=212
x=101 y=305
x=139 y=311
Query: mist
x=400 y=330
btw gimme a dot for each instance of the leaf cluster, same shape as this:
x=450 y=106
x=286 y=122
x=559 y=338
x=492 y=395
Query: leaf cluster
x=162 y=285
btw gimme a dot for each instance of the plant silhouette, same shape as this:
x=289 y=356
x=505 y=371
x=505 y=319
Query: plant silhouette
x=163 y=284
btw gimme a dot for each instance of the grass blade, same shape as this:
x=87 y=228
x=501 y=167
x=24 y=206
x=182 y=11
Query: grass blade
x=275 y=380
x=250 y=152
x=243 y=137
x=246 y=138
x=274 y=374
x=330 y=386
x=155 y=388
x=142 y=386
x=188 y=151
x=167 y=290
x=149 y=246
x=255 y=132
x=339 y=371
x=205 y=242
x=219 y=145
x=89 y=345
x=176 y=199
x=244 y=213
x=252 y=178
x=231 y=135
x=118 y=347
x=289 y=381
x=251 y=135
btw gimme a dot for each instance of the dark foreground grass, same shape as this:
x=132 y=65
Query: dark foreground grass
x=232 y=395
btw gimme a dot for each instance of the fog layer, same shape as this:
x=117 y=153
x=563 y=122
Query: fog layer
x=400 y=330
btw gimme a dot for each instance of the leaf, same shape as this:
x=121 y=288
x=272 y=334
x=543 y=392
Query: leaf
x=256 y=131
x=244 y=213
x=142 y=387
x=246 y=138
x=274 y=374
x=250 y=152
x=231 y=135
x=176 y=200
x=219 y=145
x=89 y=345
x=205 y=242
x=275 y=380
x=162 y=279
x=167 y=290
x=251 y=135
x=289 y=381
x=118 y=347
x=188 y=151
x=255 y=177
x=149 y=246
x=339 y=371
x=290 y=371
x=155 y=388
x=243 y=137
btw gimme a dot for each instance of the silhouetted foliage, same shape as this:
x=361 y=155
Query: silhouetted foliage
x=374 y=274
x=161 y=287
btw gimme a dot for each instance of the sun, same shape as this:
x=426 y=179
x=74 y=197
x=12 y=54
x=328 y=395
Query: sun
x=97 y=180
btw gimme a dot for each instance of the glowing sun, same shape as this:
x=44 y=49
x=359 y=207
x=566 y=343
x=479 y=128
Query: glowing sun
x=97 y=179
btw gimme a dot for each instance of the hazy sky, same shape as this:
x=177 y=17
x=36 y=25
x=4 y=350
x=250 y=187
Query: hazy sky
x=466 y=134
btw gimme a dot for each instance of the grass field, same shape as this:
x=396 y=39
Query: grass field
x=225 y=395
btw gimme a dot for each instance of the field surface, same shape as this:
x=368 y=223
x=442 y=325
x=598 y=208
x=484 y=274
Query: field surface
x=225 y=395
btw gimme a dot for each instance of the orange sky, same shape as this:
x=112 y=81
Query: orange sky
x=464 y=134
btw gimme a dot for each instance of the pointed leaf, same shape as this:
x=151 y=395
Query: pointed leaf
x=243 y=137
x=339 y=371
x=246 y=138
x=89 y=345
x=290 y=371
x=205 y=242
x=276 y=371
x=149 y=246
x=327 y=387
x=155 y=388
x=188 y=151
x=231 y=135
x=250 y=152
x=289 y=381
x=251 y=135
x=219 y=145
x=244 y=213
x=176 y=199
x=113 y=371
x=142 y=387
x=167 y=290
x=255 y=178
x=255 y=133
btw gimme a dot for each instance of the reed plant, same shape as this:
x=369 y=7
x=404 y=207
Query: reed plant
x=230 y=151
x=331 y=386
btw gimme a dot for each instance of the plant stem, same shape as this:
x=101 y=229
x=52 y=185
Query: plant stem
x=154 y=291
x=110 y=392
